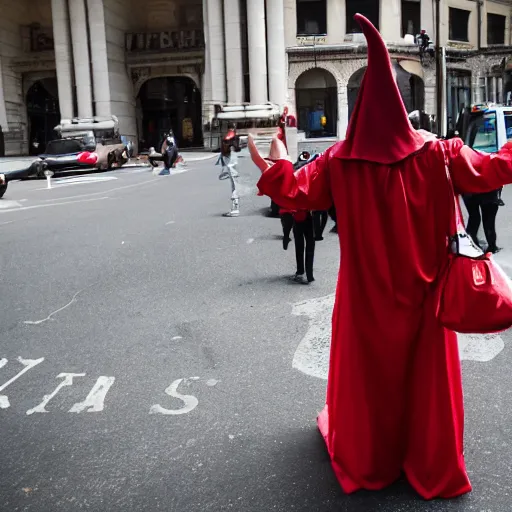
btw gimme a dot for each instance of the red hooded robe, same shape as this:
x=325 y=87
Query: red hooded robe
x=394 y=394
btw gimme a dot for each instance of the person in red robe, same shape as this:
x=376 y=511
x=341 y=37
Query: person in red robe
x=394 y=395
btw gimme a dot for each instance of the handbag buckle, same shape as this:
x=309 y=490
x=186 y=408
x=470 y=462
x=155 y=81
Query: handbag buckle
x=463 y=245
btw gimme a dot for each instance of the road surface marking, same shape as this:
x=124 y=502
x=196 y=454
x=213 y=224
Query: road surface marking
x=139 y=184
x=250 y=241
x=68 y=381
x=67 y=182
x=190 y=402
x=28 y=364
x=6 y=205
x=8 y=222
x=23 y=208
x=170 y=222
x=312 y=354
x=96 y=397
x=83 y=179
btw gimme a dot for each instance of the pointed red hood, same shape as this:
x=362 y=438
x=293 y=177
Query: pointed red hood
x=379 y=129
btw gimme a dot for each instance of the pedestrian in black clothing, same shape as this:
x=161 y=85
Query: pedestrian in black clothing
x=483 y=208
x=332 y=214
x=319 y=223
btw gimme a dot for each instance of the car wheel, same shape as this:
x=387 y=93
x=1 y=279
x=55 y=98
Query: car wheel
x=3 y=188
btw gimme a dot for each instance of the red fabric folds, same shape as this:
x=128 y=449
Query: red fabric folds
x=394 y=394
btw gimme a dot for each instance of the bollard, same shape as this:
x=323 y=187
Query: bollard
x=48 y=175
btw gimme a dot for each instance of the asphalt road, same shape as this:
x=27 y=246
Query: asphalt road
x=148 y=356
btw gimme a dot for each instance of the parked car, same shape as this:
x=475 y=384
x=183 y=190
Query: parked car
x=85 y=143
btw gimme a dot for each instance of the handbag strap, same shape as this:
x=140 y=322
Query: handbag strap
x=459 y=222
x=460 y=242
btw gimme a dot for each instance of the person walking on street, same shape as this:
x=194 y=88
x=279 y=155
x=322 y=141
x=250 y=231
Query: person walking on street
x=483 y=208
x=301 y=222
x=228 y=160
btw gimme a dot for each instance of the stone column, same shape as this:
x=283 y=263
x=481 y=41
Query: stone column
x=98 y=37
x=336 y=21
x=342 y=124
x=427 y=18
x=217 y=52
x=63 y=59
x=3 y=112
x=233 y=39
x=81 y=57
x=277 y=69
x=257 y=51
x=207 y=75
x=391 y=20
x=290 y=22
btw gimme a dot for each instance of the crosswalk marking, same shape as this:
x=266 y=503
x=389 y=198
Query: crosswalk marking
x=312 y=354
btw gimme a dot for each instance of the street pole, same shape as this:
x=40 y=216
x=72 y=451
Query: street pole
x=439 y=74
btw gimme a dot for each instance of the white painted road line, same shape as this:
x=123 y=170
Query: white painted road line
x=23 y=208
x=312 y=354
x=5 y=205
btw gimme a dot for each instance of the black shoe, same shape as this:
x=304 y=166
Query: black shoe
x=300 y=279
x=500 y=202
x=311 y=279
x=286 y=241
x=318 y=238
x=334 y=229
x=494 y=250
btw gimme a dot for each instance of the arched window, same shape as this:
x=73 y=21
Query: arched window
x=316 y=94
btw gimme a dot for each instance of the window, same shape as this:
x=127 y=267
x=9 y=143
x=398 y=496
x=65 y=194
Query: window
x=482 y=90
x=483 y=135
x=508 y=125
x=495 y=29
x=369 y=8
x=411 y=17
x=311 y=17
x=459 y=19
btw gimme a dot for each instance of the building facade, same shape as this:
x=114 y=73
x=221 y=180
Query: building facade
x=161 y=64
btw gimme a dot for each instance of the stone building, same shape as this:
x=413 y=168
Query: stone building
x=160 y=64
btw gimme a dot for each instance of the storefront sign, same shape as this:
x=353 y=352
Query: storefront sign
x=168 y=40
x=311 y=40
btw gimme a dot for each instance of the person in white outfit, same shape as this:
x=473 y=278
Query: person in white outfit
x=228 y=159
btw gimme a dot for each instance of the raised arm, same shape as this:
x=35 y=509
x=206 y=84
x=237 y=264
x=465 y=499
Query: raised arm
x=306 y=189
x=474 y=172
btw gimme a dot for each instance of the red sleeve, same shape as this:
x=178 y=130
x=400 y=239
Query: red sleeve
x=474 y=172
x=306 y=189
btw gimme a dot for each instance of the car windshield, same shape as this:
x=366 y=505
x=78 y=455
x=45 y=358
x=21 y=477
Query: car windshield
x=64 y=147
x=508 y=125
x=482 y=133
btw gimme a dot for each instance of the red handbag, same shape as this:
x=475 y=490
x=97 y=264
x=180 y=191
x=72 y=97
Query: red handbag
x=475 y=294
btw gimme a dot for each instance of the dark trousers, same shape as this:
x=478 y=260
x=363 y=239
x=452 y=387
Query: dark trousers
x=287 y=224
x=304 y=238
x=487 y=217
x=319 y=223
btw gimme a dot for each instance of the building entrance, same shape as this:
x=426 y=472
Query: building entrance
x=170 y=103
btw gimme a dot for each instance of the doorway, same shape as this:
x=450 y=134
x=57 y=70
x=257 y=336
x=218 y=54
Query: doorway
x=170 y=103
x=43 y=114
